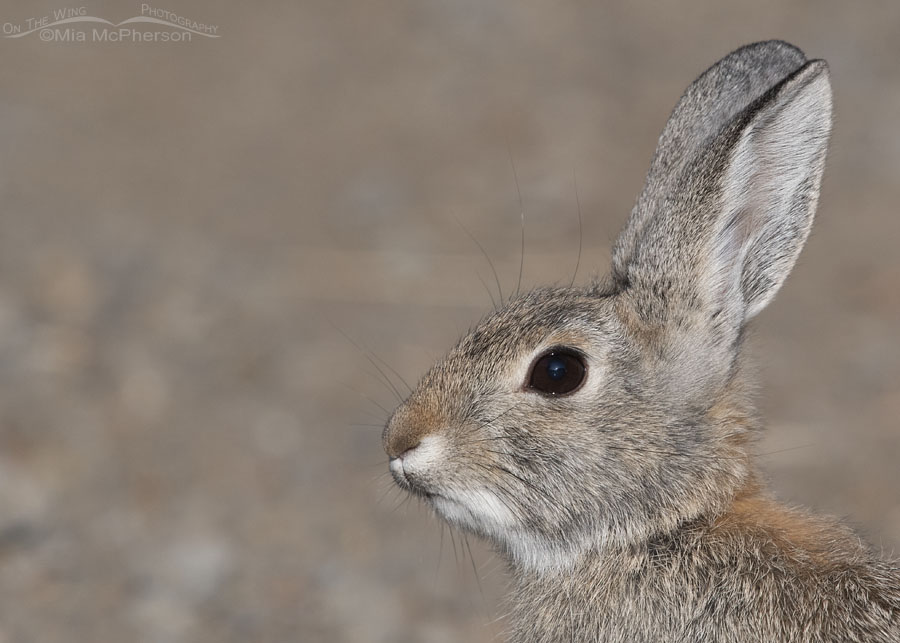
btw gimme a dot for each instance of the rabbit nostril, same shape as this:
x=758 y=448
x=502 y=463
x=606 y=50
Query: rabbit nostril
x=399 y=443
x=406 y=452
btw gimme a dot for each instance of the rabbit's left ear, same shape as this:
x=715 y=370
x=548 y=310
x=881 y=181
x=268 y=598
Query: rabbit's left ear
x=771 y=187
x=709 y=247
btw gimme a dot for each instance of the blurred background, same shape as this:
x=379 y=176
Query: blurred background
x=199 y=241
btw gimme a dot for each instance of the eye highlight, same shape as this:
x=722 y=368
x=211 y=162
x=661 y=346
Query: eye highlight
x=559 y=371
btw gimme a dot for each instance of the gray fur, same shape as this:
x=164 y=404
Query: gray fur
x=629 y=509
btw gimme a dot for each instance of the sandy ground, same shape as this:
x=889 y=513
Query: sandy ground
x=189 y=446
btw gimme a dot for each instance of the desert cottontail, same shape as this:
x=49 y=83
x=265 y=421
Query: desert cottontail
x=601 y=437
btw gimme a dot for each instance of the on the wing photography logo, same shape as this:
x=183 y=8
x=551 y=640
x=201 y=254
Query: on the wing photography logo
x=75 y=24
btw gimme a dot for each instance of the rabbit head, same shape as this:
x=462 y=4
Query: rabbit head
x=577 y=418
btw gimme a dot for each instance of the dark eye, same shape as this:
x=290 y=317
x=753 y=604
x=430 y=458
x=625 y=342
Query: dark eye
x=557 y=372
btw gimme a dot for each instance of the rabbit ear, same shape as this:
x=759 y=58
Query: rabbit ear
x=731 y=193
x=709 y=103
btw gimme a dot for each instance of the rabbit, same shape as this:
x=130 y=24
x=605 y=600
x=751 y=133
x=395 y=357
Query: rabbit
x=600 y=437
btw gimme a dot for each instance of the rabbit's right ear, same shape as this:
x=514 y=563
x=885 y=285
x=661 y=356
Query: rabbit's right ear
x=728 y=202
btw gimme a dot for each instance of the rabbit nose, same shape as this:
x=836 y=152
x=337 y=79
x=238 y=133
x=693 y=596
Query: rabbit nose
x=397 y=463
x=406 y=452
x=398 y=443
x=409 y=425
x=402 y=434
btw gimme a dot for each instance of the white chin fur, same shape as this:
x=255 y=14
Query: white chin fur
x=483 y=512
x=478 y=510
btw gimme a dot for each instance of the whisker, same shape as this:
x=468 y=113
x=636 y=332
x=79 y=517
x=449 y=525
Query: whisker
x=385 y=379
x=498 y=437
x=795 y=448
x=385 y=493
x=521 y=214
x=580 y=229
x=403 y=501
x=490 y=294
x=506 y=494
x=372 y=415
x=437 y=569
x=392 y=370
x=366 y=353
x=524 y=481
x=366 y=397
x=483 y=252
x=477 y=578
x=369 y=399
x=488 y=424
x=502 y=487
x=381 y=475
x=453 y=542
